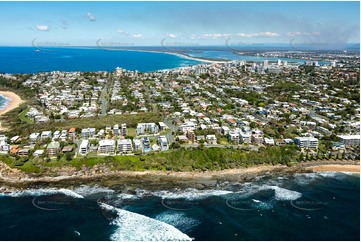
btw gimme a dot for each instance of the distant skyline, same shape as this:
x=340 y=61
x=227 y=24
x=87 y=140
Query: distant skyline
x=178 y=23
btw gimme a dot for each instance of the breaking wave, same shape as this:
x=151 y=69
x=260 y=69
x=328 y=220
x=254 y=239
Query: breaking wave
x=136 y=227
x=44 y=192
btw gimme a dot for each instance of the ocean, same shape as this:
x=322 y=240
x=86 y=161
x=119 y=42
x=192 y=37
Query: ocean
x=3 y=102
x=28 y=60
x=309 y=206
x=229 y=55
x=33 y=60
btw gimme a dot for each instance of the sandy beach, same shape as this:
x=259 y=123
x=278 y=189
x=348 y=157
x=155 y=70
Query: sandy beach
x=14 y=101
x=344 y=168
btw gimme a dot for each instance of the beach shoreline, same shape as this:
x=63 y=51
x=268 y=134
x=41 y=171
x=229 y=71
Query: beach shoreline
x=12 y=179
x=13 y=101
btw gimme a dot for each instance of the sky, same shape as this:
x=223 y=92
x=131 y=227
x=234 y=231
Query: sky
x=178 y=23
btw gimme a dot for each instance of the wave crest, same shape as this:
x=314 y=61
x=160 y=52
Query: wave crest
x=137 y=227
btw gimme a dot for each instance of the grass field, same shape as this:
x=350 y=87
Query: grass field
x=23 y=118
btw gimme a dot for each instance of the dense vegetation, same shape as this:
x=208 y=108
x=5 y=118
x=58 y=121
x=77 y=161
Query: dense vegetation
x=191 y=159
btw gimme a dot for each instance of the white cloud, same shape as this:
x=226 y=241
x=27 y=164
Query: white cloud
x=91 y=17
x=227 y=35
x=210 y=36
x=42 y=27
x=120 y=31
x=260 y=34
x=137 y=36
x=172 y=35
x=292 y=34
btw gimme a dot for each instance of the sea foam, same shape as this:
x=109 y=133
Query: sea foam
x=86 y=191
x=137 y=227
x=44 y=192
x=187 y=194
x=180 y=220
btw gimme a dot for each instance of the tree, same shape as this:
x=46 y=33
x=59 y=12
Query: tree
x=175 y=145
x=301 y=157
x=69 y=156
x=253 y=125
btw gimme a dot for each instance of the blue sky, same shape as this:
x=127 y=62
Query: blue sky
x=178 y=23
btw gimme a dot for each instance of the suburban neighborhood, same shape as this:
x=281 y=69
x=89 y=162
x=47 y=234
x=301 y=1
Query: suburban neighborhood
x=238 y=104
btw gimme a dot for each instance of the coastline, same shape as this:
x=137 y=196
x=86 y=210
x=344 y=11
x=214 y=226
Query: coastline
x=182 y=55
x=336 y=168
x=12 y=179
x=13 y=101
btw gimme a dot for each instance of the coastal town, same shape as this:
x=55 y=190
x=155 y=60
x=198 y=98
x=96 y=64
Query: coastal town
x=311 y=108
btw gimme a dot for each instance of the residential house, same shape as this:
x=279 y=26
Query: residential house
x=84 y=147
x=116 y=130
x=146 y=144
x=53 y=148
x=211 y=139
x=162 y=126
x=231 y=122
x=34 y=137
x=306 y=142
x=138 y=145
x=14 y=149
x=4 y=146
x=150 y=128
x=163 y=143
x=67 y=148
x=225 y=130
x=187 y=126
x=24 y=152
x=56 y=135
x=71 y=133
x=246 y=137
x=15 y=139
x=124 y=131
x=233 y=137
x=63 y=135
x=269 y=141
x=125 y=146
x=87 y=133
x=38 y=153
x=350 y=140
x=106 y=146
x=46 y=135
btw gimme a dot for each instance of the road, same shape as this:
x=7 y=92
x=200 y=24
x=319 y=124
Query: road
x=104 y=96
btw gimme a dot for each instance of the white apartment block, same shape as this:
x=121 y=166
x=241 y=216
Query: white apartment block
x=138 y=144
x=125 y=146
x=306 y=142
x=143 y=128
x=163 y=143
x=106 y=146
x=87 y=133
x=84 y=147
x=246 y=138
x=350 y=140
